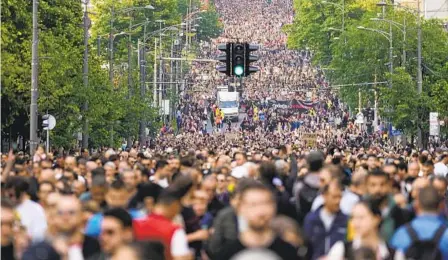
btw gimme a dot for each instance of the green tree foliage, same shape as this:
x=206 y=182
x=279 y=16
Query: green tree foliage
x=356 y=56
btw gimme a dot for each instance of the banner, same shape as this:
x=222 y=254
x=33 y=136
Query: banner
x=293 y=105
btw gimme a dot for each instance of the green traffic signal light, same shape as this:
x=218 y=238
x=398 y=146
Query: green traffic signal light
x=238 y=70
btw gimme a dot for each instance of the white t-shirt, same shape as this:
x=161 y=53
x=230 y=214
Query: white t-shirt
x=179 y=244
x=32 y=216
x=440 y=169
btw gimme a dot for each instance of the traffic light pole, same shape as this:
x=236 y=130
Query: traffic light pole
x=34 y=78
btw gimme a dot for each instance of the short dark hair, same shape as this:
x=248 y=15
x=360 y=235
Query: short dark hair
x=243 y=154
x=7 y=204
x=98 y=172
x=160 y=164
x=377 y=172
x=429 y=199
x=117 y=185
x=121 y=215
x=428 y=163
x=439 y=178
x=19 y=184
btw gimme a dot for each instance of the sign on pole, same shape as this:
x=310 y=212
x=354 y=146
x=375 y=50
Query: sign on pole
x=359 y=118
x=434 y=127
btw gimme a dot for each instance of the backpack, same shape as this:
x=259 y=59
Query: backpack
x=349 y=252
x=306 y=197
x=424 y=249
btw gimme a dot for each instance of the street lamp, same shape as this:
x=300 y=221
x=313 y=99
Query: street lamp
x=419 y=50
x=401 y=27
x=388 y=36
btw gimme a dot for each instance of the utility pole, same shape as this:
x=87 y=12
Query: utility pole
x=419 y=68
x=375 y=102
x=155 y=74
x=85 y=75
x=130 y=89
x=111 y=47
x=142 y=63
x=391 y=55
x=34 y=81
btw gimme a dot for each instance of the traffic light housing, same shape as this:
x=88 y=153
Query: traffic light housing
x=225 y=57
x=250 y=58
x=45 y=121
x=238 y=59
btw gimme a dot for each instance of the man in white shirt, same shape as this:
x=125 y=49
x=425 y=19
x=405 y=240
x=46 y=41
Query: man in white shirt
x=31 y=214
x=441 y=167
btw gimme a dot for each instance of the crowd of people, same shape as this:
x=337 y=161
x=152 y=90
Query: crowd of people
x=283 y=183
x=232 y=204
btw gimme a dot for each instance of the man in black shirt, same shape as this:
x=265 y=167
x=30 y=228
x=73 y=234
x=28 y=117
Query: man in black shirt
x=258 y=207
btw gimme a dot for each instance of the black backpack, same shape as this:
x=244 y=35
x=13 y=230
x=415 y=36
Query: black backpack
x=424 y=249
x=306 y=197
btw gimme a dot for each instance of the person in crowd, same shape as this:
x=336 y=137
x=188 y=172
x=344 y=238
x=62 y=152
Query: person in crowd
x=327 y=225
x=257 y=206
x=159 y=224
x=306 y=190
x=378 y=190
x=67 y=241
x=117 y=196
x=427 y=226
x=30 y=213
x=116 y=232
x=8 y=221
x=366 y=220
x=162 y=173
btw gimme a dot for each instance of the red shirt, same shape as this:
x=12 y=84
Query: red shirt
x=156 y=228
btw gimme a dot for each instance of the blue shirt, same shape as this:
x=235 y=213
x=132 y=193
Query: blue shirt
x=425 y=226
x=93 y=227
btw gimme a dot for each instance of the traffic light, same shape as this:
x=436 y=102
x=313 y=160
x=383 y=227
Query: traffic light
x=250 y=58
x=226 y=68
x=238 y=59
x=45 y=121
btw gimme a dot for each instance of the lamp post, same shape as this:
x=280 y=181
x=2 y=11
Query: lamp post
x=388 y=36
x=402 y=28
x=419 y=54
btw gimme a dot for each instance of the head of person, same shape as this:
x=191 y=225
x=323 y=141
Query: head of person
x=240 y=158
x=16 y=189
x=328 y=173
x=130 y=180
x=358 y=181
x=163 y=169
x=429 y=201
x=257 y=205
x=147 y=195
x=428 y=168
x=68 y=217
x=372 y=162
x=440 y=184
x=70 y=162
x=366 y=218
x=99 y=188
x=116 y=230
x=7 y=222
x=417 y=185
x=110 y=170
x=117 y=196
x=79 y=187
x=168 y=203
x=221 y=182
x=378 y=185
x=45 y=188
x=209 y=187
x=413 y=169
x=315 y=161
x=391 y=170
x=332 y=194
x=200 y=202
